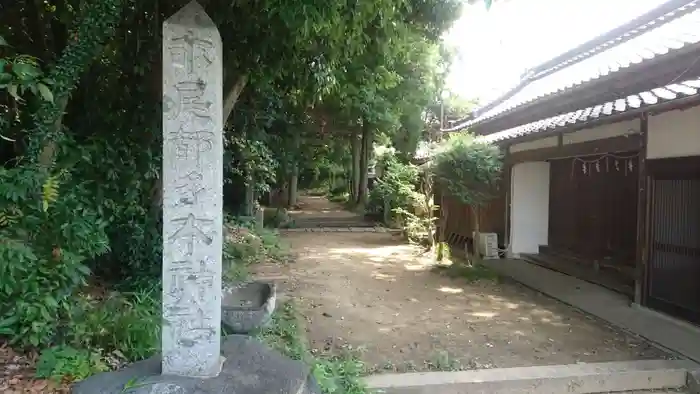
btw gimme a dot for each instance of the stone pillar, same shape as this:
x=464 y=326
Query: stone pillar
x=192 y=194
x=259 y=220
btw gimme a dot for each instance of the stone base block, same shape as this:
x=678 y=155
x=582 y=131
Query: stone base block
x=250 y=367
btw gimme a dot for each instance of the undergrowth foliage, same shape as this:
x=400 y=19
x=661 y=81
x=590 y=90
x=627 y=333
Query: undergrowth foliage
x=396 y=187
x=403 y=193
x=335 y=374
x=45 y=242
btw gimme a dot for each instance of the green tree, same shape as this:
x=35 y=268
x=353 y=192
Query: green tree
x=469 y=170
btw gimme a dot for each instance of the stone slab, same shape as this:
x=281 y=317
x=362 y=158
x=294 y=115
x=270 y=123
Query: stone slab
x=192 y=193
x=250 y=367
x=557 y=379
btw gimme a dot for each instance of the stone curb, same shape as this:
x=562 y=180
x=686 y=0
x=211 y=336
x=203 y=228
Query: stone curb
x=556 y=379
x=338 y=230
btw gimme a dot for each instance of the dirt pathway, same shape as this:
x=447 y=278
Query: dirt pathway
x=372 y=291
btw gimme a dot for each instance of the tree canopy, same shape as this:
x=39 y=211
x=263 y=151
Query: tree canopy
x=309 y=89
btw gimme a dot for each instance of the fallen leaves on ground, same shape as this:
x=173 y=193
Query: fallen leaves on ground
x=17 y=374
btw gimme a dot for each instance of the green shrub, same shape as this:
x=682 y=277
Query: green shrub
x=396 y=188
x=102 y=333
x=337 y=190
x=275 y=217
x=66 y=363
x=469 y=170
x=126 y=326
x=48 y=231
x=340 y=197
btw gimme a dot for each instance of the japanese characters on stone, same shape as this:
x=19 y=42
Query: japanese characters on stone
x=192 y=202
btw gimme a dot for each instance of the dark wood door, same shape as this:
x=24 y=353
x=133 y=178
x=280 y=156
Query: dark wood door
x=593 y=205
x=673 y=270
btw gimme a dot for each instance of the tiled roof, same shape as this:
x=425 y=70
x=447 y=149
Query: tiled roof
x=656 y=96
x=663 y=35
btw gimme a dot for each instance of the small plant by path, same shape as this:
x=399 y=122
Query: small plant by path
x=334 y=373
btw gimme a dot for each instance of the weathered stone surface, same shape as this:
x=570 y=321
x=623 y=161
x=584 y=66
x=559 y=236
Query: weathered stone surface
x=248 y=306
x=250 y=368
x=192 y=193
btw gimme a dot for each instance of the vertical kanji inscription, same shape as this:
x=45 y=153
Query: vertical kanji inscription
x=192 y=194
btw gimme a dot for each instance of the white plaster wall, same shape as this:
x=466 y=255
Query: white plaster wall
x=602 y=132
x=674 y=134
x=529 y=207
x=546 y=142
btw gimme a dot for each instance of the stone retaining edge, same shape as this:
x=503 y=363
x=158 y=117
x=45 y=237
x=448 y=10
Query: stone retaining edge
x=575 y=378
x=338 y=230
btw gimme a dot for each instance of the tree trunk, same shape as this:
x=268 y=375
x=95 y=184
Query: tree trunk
x=48 y=152
x=232 y=96
x=70 y=66
x=443 y=229
x=356 y=167
x=387 y=211
x=364 y=163
x=429 y=201
x=283 y=196
x=477 y=233
x=250 y=197
x=293 y=185
x=294 y=175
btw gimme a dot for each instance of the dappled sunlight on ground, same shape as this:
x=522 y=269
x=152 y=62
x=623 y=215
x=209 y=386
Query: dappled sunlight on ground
x=372 y=291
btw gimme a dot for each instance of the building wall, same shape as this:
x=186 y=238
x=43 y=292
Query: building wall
x=674 y=134
x=671 y=134
x=601 y=132
x=547 y=142
x=529 y=207
x=591 y=134
x=530 y=202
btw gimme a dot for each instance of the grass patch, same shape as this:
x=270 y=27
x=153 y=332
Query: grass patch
x=469 y=272
x=334 y=374
x=104 y=332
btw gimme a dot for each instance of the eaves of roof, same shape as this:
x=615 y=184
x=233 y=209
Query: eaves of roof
x=673 y=94
x=664 y=31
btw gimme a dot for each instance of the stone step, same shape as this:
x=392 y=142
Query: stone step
x=331 y=223
x=615 y=377
x=337 y=229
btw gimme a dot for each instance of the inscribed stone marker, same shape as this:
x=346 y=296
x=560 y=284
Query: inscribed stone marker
x=192 y=194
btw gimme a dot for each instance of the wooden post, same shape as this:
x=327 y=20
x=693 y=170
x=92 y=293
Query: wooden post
x=642 y=214
x=507 y=167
